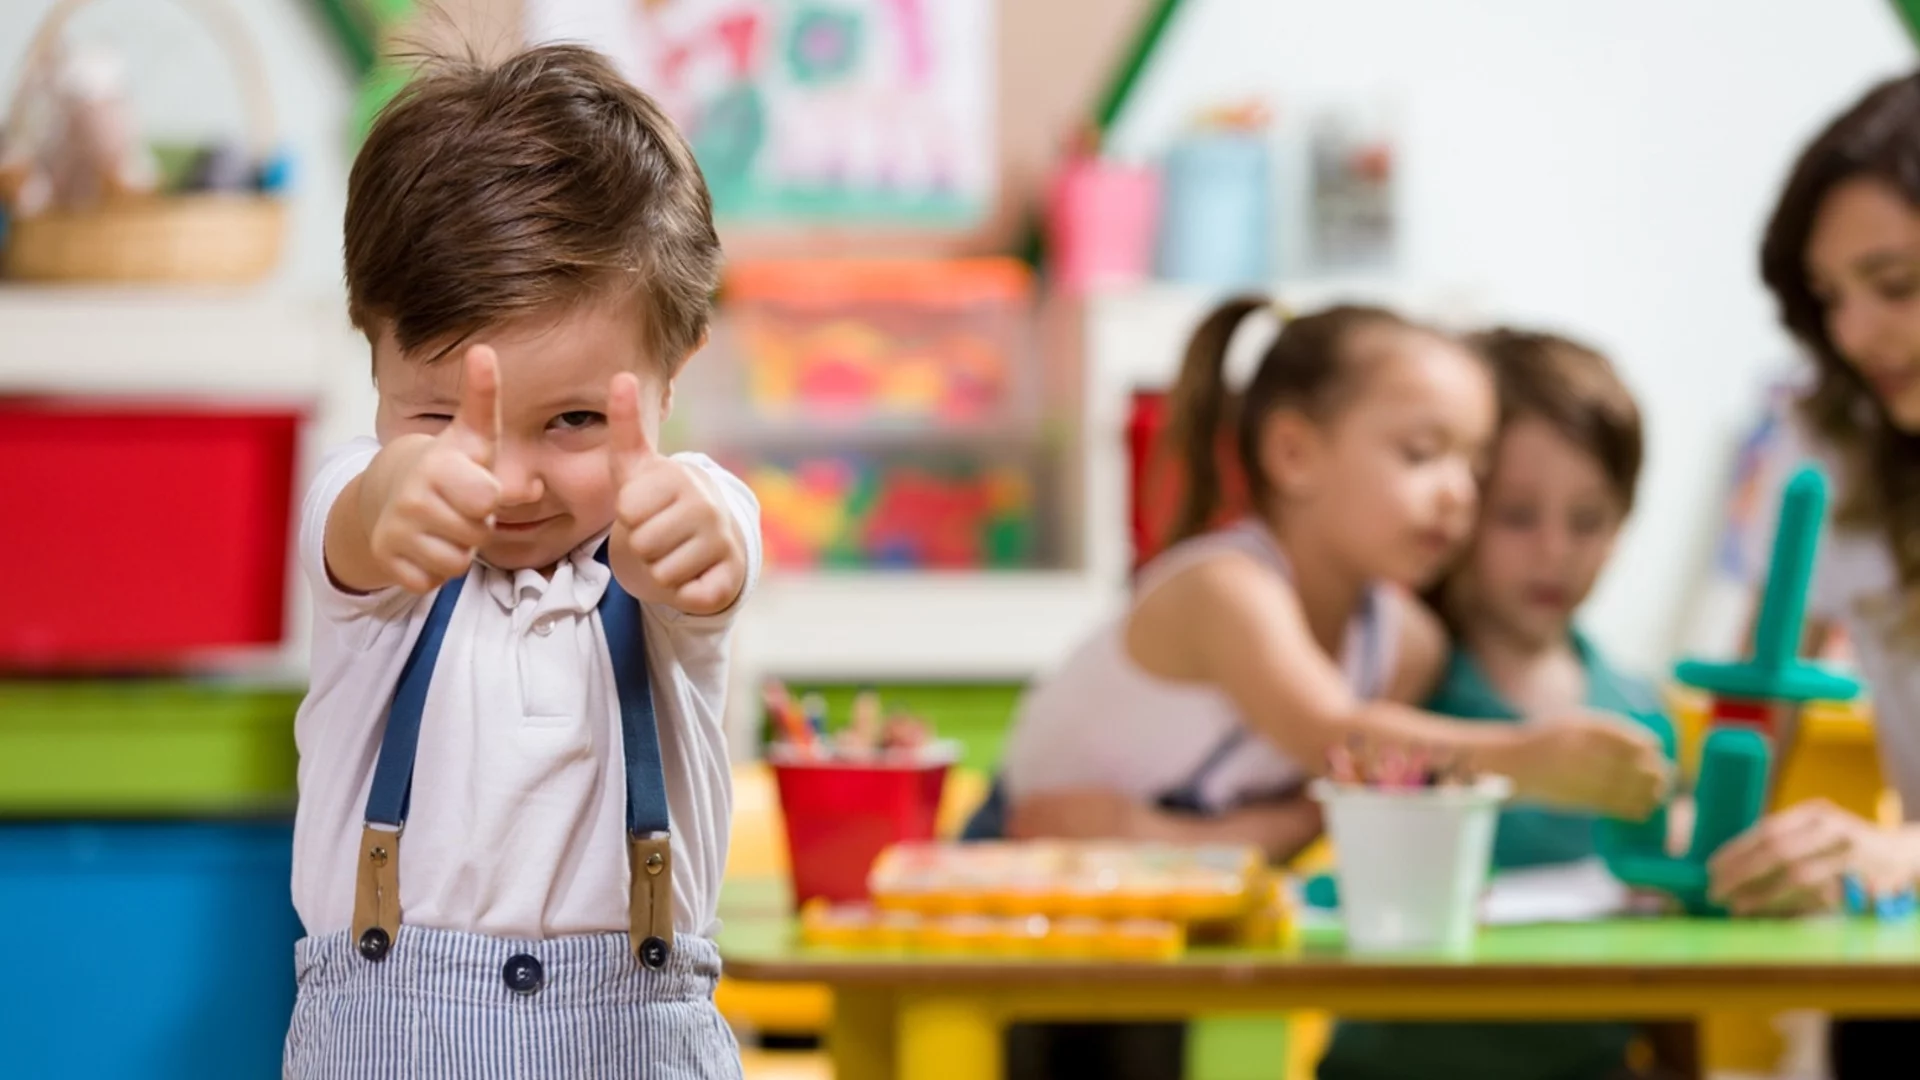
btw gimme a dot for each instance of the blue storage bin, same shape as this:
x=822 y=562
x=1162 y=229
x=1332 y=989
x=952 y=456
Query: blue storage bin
x=1216 y=218
x=149 y=951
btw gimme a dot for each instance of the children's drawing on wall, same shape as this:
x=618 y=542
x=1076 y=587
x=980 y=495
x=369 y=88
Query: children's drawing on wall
x=1352 y=176
x=813 y=110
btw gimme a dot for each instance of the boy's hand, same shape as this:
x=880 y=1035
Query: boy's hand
x=1588 y=761
x=432 y=502
x=674 y=543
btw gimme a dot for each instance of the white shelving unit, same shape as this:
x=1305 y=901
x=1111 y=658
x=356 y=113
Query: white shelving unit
x=909 y=626
x=1011 y=626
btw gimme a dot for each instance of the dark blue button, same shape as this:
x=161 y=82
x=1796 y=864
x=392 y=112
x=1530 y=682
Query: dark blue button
x=524 y=974
x=653 y=953
x=375 y=943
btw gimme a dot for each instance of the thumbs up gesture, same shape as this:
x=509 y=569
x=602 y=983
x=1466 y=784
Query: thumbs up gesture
x=438 y=508
x=674 y=542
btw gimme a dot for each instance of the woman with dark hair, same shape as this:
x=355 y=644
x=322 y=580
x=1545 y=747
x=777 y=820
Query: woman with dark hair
x=1842 y=258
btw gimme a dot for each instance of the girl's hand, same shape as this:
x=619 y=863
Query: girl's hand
x=1588 y=761
x=1792 y=862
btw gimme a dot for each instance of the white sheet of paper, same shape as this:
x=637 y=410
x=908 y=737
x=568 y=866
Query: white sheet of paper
x=1583 y=891
x=1568 y=892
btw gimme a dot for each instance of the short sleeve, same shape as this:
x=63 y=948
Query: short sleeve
x=331 y=602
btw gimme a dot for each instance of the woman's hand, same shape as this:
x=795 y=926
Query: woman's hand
x=1792 y=863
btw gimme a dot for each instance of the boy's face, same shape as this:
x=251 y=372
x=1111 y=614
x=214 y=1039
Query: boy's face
x=1547 y=526
x=552 y=459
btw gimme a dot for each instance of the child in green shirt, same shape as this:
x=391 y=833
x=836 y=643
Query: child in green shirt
x=1560 y=486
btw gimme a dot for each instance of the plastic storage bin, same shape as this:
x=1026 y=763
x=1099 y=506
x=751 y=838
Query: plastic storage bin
x=145 y=950
x=898 y=510
x=182 y=546
x=1155 y=481
x=858 y=341
x=145 y=748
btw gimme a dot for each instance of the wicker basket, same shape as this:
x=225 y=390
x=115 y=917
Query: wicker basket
x=211 y=237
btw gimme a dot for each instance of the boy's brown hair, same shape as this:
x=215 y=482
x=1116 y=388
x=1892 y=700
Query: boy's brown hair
x=491 y=192
x=1576 y=391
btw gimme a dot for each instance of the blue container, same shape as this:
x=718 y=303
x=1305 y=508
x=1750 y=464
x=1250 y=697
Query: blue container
x=153 y=951
x=1216 y=223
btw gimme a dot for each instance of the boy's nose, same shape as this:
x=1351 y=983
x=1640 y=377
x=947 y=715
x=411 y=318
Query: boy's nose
x=518 y=475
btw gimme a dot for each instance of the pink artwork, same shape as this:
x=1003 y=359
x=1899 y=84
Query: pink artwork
x=838 y=110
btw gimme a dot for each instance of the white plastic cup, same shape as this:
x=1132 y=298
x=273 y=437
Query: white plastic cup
x=1412 y=863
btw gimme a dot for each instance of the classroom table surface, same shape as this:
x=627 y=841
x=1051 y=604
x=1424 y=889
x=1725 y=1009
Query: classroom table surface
x=920 y=1015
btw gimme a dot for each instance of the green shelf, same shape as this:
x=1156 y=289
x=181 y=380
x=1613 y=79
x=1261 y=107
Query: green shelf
x=147 y=748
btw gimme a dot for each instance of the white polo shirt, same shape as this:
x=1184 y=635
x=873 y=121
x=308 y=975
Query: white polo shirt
x=518 y=815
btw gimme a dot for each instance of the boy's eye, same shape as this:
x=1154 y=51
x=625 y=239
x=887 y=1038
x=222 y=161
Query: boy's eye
x=576 y=420
x=435 y=417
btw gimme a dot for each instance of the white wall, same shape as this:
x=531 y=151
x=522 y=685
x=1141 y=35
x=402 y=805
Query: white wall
x=1603 y=168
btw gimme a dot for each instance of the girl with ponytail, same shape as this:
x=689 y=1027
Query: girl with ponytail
x=1252 y=648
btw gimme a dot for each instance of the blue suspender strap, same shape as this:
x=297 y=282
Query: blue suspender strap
x=639 y=734
x=393 y=773
x=377 y=892
x=649 y=847
x=376 y=898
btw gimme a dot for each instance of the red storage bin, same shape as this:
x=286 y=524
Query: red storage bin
x=840 y=816
x=1155 y=474
x=138 y=533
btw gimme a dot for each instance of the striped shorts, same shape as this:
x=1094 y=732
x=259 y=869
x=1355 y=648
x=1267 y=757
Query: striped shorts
x=452 y=1005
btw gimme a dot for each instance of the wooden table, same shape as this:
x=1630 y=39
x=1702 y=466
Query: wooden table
x=921 y=1017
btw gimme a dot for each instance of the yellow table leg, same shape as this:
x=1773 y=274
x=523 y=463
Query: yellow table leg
x=949 y=1038
x=861 y=1036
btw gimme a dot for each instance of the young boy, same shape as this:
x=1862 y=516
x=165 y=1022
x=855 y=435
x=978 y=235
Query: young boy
x=522 y=608
x=1565 y=468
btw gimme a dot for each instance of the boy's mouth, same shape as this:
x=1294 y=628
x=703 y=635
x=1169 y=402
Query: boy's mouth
x=520 y=526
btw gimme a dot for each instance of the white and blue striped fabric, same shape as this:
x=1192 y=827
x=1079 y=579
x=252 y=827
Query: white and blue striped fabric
x=439 y=1006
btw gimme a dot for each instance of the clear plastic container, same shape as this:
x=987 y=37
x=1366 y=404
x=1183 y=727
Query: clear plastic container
x=864 y=342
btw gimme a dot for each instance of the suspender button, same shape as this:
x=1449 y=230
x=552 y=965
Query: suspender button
x=375 y=943
x=654 y=863
x=653 y=953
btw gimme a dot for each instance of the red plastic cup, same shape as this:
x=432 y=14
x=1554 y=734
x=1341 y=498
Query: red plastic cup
x=841 y=815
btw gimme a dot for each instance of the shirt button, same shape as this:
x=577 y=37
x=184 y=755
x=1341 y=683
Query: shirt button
x=544 y=626
x=523 y=974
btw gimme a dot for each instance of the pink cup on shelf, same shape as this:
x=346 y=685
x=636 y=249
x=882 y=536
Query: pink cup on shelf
x=1101 y=218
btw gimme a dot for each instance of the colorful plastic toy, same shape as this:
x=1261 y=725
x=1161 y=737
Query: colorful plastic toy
x=1737 y=757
